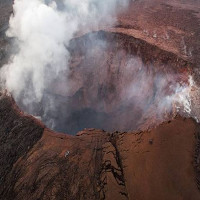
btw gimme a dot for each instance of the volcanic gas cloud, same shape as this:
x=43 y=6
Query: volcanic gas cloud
x=73 y=77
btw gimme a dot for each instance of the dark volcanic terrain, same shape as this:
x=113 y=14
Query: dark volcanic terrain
x=158 y=158
x=36 y=163
x=5 y=11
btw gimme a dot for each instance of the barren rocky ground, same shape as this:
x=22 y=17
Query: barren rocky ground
x=37 y=163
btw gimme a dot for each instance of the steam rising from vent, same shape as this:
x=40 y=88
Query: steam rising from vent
x=92 y=84
x=182 y=96
x=43 y=29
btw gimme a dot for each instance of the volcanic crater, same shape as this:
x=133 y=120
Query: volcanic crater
x=114 y=82
x=123 y=137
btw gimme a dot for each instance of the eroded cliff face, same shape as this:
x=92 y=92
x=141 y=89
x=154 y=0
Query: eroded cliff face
x=114 y=82
x=115 y=76
x=161 y=163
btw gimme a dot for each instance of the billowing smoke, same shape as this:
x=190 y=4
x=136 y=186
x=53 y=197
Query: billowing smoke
x=113 y=90
x=92 y=87
x=43 y=29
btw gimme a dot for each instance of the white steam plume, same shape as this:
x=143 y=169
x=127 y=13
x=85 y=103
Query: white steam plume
x=42 y=30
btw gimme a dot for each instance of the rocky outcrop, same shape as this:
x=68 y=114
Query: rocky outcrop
x=18 y=134
x=37 y=163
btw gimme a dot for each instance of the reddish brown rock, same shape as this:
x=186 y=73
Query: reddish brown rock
x=162 y=163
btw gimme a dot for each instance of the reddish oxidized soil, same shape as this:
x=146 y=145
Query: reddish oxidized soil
x=94 y=164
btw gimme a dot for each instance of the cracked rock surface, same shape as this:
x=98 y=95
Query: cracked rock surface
x=36 y=163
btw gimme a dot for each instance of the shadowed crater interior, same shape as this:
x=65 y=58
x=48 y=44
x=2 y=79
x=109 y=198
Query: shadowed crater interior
x=112 y=82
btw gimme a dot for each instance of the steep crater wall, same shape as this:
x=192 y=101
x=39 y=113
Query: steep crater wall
x=113 y=82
